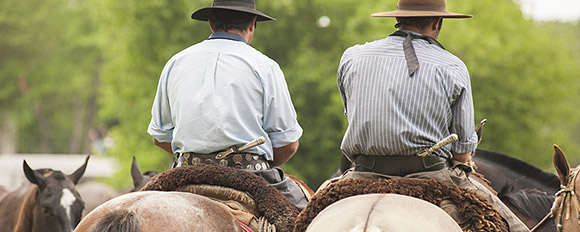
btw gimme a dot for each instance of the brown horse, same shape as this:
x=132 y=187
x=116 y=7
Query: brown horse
x=566 y=208
x=49 y=202
x=160 y=211
x=176 y=200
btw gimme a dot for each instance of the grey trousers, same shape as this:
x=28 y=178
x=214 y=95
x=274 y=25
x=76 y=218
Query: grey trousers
x=456 y=175
x=275 y=176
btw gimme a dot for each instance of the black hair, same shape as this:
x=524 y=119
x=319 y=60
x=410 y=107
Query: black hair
x=226 y=20
x=419 y=22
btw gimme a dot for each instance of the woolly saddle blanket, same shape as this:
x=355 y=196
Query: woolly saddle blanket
x=264 y=200
x=478 y=213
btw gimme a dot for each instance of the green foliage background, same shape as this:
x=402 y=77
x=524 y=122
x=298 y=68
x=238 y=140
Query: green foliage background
x=109 y=54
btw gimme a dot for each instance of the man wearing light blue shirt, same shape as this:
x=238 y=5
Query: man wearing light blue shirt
x=222 y=92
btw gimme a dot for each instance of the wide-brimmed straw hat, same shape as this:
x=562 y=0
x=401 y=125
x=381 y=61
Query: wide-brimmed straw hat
x=247 y=6
x=421 y=8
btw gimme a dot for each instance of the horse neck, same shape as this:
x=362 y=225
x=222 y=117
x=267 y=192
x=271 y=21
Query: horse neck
x=568 y=210
x=26 y=209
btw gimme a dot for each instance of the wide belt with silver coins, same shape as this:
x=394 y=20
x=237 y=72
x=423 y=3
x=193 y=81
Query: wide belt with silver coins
x=232 y=157
x=237 y=160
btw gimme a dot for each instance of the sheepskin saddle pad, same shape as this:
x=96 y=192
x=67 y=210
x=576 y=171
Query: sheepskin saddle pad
x=478 y=213
x=236 y=188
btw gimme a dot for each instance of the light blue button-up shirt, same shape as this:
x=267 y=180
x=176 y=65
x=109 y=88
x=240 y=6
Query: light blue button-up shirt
x=223 y=92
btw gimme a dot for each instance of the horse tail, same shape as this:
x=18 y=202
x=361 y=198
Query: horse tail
x=118 y=221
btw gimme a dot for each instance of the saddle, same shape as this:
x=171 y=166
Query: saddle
x=479 y=213
x=252 y=200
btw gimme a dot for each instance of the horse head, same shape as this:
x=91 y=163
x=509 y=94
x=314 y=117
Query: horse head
x=566 y=208
x=57 y=204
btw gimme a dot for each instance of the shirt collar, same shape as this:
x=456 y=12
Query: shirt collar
x=412 y=32
x=226 y=35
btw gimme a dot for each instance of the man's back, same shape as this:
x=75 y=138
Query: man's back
x=220 y=92
x=392 y=113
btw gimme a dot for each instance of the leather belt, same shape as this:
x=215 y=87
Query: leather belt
x=236 y=160
x=399 y=165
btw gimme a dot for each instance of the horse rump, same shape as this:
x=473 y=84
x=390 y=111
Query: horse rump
x=118 y=221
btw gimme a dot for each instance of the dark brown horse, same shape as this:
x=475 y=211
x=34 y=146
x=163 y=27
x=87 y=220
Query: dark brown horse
x=508 y=174
x=49 y=202
x=525 y=189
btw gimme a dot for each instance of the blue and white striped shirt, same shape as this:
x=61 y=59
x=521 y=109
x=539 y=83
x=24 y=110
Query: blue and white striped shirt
x=392 y=113
x=223 y=92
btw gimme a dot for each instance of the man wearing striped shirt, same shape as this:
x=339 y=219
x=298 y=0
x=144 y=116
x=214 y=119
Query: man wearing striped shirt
x=405 y=93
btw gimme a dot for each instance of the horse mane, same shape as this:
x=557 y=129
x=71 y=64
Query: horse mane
x=275 y=207
x=531 y=203
x=478 y=212
x=523 y=167
x=119 y=220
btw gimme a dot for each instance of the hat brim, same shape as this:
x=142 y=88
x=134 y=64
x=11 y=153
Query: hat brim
x=204 y=13
x=416 y=13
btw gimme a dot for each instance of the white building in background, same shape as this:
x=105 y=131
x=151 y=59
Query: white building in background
x=12 y=174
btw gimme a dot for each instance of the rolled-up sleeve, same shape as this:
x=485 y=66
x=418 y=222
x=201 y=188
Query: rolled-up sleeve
x=161 y=125
x=279 y=114
x=462 y=122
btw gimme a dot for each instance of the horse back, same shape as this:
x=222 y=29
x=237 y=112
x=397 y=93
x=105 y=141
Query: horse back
x=160 y=211
x=383 y=212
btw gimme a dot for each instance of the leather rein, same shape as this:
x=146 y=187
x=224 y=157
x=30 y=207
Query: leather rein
x=568 y=194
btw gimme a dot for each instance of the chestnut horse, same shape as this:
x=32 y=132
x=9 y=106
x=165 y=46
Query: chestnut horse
x=49 y=202
x=198 y=197
x=160 y=211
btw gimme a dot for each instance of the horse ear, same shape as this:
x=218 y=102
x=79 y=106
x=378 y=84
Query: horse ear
x=136 y=174
x=33 y=176
x=76 y=176
x=561 y=164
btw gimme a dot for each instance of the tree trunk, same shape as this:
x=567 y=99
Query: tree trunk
x=78 y=125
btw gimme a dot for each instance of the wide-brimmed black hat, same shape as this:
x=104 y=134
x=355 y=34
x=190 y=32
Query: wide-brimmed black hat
x=248 y=6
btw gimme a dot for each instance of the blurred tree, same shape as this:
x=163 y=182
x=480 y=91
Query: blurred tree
x=523 y=96
x=524 y=80
x=49 y=68
x=59 y=54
